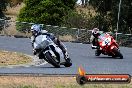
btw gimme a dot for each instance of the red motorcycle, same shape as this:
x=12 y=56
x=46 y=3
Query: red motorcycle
x=108 y=46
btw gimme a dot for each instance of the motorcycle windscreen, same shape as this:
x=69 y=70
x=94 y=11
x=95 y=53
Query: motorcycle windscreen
x=104 y=39
x=41 y=42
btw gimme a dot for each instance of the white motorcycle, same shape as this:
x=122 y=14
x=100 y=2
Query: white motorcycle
x=46 y=49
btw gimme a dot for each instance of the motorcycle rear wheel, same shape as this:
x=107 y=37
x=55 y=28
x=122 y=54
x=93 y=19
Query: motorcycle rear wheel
x=51 y=60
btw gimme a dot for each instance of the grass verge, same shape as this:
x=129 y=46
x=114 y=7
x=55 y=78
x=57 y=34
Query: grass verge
x=50 y=82
x=13 y=58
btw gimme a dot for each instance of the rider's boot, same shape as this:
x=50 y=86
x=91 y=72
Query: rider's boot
x=97 y=52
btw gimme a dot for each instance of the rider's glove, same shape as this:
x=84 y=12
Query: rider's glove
x=34 y=52
x=94 y=47
x=98 y=47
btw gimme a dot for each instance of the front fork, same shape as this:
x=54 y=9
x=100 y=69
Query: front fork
x=112 y=47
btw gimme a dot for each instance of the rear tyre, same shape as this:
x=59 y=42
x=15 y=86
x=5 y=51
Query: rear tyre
x=51 y=60
x=117 y=53
x=68 y=62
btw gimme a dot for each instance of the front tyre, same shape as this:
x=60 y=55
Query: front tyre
x=117 y=53
x=68 y=62
x=51 y=60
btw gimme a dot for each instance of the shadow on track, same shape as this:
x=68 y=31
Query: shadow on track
x=108 y=57
x=43 y=66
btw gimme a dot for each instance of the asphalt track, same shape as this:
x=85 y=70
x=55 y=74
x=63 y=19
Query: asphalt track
x=81 y=55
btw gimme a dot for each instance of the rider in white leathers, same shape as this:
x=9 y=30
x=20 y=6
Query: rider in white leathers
x=36 y=30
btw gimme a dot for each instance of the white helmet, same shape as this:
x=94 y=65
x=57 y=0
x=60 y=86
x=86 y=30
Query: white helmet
x=95 y=32
x=35 y=29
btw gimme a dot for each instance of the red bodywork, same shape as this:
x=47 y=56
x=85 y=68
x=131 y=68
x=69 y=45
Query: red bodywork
x=107 y=43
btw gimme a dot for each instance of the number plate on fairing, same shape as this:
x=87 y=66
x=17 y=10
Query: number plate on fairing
x=106 y=41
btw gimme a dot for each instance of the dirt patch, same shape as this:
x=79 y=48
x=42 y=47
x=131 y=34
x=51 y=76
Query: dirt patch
x=14 y=10
x=13 y=58
x=67 y=38
x=39 y=82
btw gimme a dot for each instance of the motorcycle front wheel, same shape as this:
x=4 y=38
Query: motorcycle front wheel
x=117 y=53
x=52 y=60
x=68 y=62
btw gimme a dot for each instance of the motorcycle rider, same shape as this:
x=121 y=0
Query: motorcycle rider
x=94 y=40
x=36 y=31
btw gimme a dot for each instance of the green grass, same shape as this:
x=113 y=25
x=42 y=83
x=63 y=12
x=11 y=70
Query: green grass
x=69 y=86
x=94 y=86
x=27 y=86
x=17 y=86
